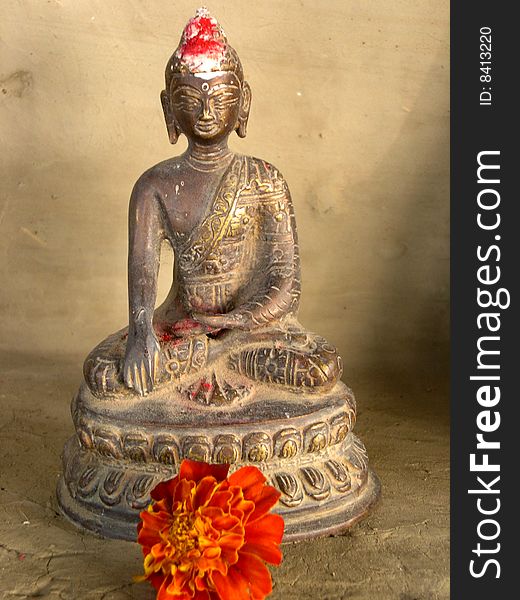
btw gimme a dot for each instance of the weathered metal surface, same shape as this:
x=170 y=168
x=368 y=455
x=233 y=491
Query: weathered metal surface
x=222 y=371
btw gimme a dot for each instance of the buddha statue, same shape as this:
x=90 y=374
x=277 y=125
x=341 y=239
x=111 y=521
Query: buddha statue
x=222 y=371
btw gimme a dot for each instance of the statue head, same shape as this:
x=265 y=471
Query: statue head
x=206 y=96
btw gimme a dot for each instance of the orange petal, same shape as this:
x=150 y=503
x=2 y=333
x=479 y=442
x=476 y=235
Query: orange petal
x=205 y=488
x=243 y=509
x=155 y=520
x=232 y=587
x=150 y=530
x=165 y=489
x=163 y=505
x=162 y=591
x=178 y=583
x=212 y=512
x=200 y=583
x=221 y=499
x=246 y=477
x=146 y=533
x=212 y=552
x=231 y=541
x=267 y=528
x=216 y=564
x=225 y=522
x=267 y=499
x=270 y=553
x=156 y=580
x=230 y=555
x=183 y=491
x=256 y=574
x=195 y=470
x=149 y=537
x=147 y=540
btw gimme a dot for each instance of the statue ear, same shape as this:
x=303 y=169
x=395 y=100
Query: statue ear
x=245 y=106
x=171 y=123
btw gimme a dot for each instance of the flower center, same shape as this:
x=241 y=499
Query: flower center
x=182 y=535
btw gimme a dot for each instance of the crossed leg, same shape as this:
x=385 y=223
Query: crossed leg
x=286 y=356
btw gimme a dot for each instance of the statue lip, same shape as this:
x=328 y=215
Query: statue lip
x=206 y=128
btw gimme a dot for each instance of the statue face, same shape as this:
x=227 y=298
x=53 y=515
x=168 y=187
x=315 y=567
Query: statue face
x=206 y=109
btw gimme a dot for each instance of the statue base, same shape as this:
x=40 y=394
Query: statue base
x=124 y=446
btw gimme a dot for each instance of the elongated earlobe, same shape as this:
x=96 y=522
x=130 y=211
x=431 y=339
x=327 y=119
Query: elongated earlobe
x=245 y=106
x=171 y=124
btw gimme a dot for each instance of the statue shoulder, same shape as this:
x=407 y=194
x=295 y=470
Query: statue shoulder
x=264 y=177
x=154 y=179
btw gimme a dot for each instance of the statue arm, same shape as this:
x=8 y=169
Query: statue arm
x=276 y=290
x=145 y=235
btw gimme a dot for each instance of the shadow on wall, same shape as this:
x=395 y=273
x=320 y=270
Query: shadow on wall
x=405 y=318
x=63 y=235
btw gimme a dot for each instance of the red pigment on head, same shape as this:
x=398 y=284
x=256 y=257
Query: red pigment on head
x=202 y=36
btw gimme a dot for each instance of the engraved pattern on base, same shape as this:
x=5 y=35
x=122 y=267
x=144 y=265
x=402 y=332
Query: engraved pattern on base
x=333 y=481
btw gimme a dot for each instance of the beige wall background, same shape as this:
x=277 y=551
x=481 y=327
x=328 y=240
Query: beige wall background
x=350 y=102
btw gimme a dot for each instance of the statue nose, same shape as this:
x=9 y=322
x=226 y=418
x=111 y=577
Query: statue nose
x=207 y=113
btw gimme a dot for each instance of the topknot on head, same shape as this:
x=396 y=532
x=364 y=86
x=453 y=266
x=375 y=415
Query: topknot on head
x=203 y=44
x=203 y=49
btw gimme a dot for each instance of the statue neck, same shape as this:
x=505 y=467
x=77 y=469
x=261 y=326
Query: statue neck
x=208 y=157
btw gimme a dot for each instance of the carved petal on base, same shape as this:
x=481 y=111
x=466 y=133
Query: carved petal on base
x=138 y=495
x=166 y=451
x=340 y=475
x=163 y=429
x=324 y=495
x=315 y=483
x=227 y=449
x=257 y=447
x=197 y=448
x=287 y=443
x=112 y=489
x=88 y=482
x=303 y=444
x=136 y=448
x=108 y=443
x=359 y=455
x=289 y=485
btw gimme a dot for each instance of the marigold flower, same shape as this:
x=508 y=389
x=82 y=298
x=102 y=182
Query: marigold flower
x=207 y=536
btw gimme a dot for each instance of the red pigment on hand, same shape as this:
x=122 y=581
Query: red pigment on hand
x=171 y=338
x=174 y=333
x=185 y=325
x=166 y=337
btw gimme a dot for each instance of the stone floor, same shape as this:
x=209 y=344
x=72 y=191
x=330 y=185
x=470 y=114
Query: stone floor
x=400 y=552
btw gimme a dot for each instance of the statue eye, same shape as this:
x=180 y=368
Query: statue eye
x=220 y=101
x=188 y=103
